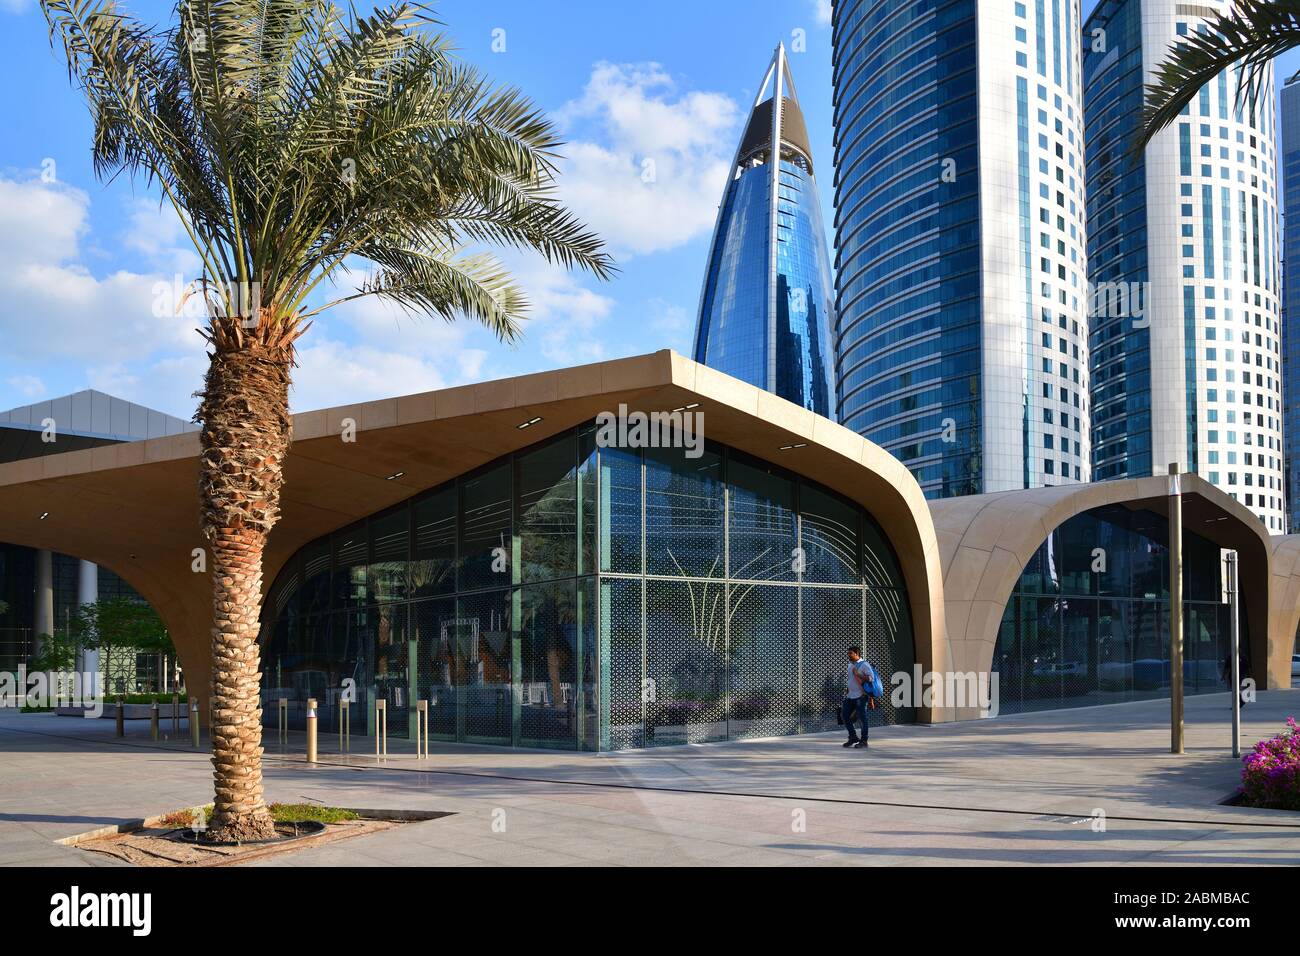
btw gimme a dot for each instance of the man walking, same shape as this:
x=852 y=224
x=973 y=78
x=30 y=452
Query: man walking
x=860 y=680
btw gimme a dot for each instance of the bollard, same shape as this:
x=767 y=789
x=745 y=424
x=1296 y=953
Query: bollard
x=121 y=715
x=345 y=726
x=421 y=729
x=194 y=721
x=283 y=710
x=176 y=714
x=381 y=726
x=153 y=720
x=311 y=730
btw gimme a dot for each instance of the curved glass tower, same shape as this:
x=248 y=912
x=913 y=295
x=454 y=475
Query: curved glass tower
x=767 y=302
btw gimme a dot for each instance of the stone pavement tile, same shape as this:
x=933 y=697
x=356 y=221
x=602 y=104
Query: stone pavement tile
x=1058 y=766
x=327 y=856
x=516 y=854
x=758 y=856
x=1221 y=847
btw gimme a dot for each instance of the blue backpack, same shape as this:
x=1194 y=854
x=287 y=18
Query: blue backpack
x=875 y=688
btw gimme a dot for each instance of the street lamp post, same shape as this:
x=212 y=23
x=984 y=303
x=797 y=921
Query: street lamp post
x=1175 y=611
x=1235 y=650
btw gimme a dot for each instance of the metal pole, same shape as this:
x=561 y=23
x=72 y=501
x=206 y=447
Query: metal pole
x=345 y=726
x=121 y=716
x=1235 y=650
x=311 y=730
x=153 y=720
x=194 y=721
x=1175 y=611
x=381 y=726
x=176 y=714
x=421 y=729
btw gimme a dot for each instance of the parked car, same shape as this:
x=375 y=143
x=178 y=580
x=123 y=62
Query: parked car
x=1295 y=665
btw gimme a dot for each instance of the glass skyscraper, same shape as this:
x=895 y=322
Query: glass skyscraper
x=1290 y=110
x=1185 y=266
x=960 y=260
x=766 y=305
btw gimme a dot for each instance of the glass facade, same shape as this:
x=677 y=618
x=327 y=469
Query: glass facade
x=1088 y=621
x=907 y=238
x=766 y=313
x=1289 y=104
x=962 y=334
x=1117 y=242
x=580 y=597
x=1202 y=266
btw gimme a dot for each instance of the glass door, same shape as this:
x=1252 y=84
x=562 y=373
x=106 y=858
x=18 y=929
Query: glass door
x=484 y=652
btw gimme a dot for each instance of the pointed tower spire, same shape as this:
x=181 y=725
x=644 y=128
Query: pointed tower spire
x=765 y=307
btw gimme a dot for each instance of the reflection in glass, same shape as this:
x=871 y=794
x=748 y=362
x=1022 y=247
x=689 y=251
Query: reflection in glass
x=582 y=648
x=485 y=534
x=1060 y=645
x=547 y=484
x=684 y=512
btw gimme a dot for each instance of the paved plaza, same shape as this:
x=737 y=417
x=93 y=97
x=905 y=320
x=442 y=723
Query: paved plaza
x=1016 y=790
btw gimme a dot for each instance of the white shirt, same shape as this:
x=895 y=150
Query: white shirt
x=855 y=683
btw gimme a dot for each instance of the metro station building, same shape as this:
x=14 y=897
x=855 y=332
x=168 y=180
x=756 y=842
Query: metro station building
x=485 y=548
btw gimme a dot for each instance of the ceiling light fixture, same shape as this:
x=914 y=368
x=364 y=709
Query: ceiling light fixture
x=531 y=421
x=44 y=515
x=396 y=474
x=802 y=444
x=687 y=408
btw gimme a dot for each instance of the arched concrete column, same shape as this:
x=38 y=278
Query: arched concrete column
x=1284 y=586
x=43 y=619
x=986 y=540
x=88 y=593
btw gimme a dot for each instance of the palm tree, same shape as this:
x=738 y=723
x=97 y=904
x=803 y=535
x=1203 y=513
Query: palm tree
x=1249 y=36
x=293 y=141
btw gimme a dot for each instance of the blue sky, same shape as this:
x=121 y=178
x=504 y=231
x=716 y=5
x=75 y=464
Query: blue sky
x=627 y=82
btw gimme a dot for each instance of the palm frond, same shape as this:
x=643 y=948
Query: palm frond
x=293 y=137
x=476 y=286
x=1247 y=38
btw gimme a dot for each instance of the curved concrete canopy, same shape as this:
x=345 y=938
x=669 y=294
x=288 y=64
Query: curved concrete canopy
x=133 y=507
x=1284 y=593
x=985 y=542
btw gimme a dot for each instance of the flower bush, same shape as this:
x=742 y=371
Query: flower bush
x=1270 y=776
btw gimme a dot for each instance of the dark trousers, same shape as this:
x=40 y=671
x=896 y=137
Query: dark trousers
x=848 y=709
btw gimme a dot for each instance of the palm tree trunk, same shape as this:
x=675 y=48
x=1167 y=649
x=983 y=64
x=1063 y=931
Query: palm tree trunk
x=246 y=432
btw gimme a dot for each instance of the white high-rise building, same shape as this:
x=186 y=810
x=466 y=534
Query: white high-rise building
x=1185 y=345
x=960 y=249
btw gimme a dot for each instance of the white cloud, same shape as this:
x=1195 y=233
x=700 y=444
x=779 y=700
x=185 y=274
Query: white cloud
x=29 y=386
x=646 y=165
x=53 y=307
x=332 y=372
x=40 y=222
x=418 y=352
x=564 y=315
x=72 y=327
x=157 y=234
x=822 y=11
x=167 y=384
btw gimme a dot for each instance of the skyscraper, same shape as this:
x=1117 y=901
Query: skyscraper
x=959 y=207
x=765 y=308
x=1290 y=110
x=1184 y=257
